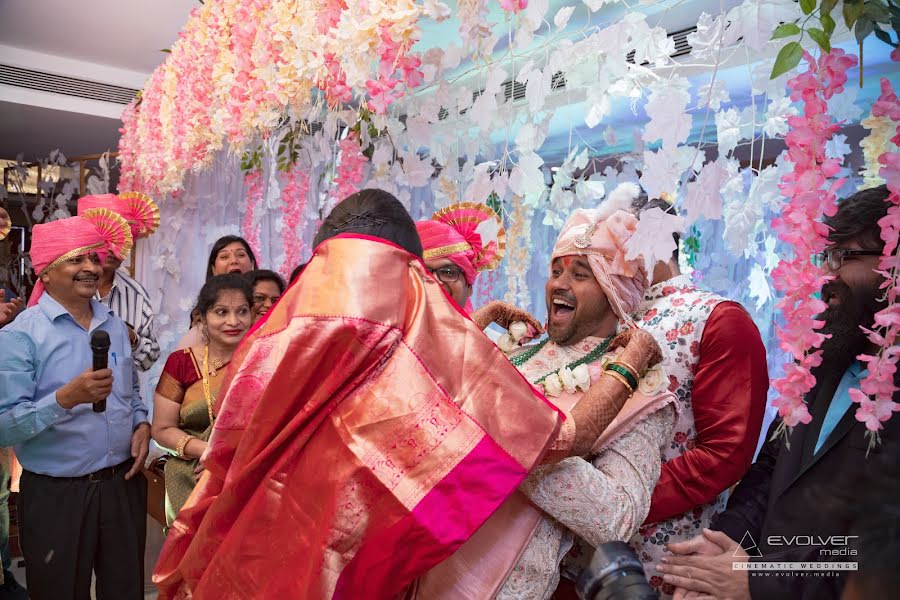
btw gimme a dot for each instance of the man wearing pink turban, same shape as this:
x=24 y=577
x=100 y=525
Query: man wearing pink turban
x=459 y=242
x=597 y=241
x=622 y=414
x=117 y=291
x=81 y=435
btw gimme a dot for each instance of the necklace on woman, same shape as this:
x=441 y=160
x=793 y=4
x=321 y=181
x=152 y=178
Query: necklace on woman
x=217 y=363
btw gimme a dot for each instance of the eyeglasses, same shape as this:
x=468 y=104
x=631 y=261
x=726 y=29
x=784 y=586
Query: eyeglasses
x=448 y=274
x=260 y=298
x=834 y=257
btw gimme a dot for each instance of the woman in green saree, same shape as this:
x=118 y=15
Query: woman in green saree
x=187 y=389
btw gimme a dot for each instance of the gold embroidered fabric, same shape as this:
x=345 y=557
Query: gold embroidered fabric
x=442 y=251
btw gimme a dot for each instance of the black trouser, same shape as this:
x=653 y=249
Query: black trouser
x=70 y=527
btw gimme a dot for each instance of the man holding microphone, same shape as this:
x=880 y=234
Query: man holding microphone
x=79 y=430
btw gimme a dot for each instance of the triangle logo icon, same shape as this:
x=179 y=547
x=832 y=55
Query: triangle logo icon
x=748 y=545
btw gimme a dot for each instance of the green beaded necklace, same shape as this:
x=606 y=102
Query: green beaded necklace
x=520 y=359
x=588 y=358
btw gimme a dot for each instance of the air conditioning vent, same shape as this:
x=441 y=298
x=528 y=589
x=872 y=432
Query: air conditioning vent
x=681 y=44
x=68 y=86
x=516 y=91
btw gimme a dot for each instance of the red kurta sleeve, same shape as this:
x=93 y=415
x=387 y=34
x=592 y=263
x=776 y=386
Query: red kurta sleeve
x=728 y=400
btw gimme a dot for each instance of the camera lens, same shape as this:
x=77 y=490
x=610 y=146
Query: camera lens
x=615 y=573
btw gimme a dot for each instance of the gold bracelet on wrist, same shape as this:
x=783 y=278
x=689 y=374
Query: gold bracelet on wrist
x=182 y=444
x=621 y=380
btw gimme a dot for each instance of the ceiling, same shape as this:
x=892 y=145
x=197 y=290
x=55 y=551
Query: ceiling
x=128 y=35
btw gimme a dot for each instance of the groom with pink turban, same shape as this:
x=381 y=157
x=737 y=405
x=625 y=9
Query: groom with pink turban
x=601 y=372
x=80 y=434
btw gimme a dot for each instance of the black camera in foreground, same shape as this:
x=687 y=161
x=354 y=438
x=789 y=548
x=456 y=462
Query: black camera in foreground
x=616 y=573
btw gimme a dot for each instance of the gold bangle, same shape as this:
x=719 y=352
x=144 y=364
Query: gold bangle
x=630 y=368
x=182 y=444
x=620 y=379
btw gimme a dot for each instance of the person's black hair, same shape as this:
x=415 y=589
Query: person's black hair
x=257 y=275
x=372 y=212
x=643 y=203
x=221 y=243
x=217 y=284
x=857 y=218
x=296 y=272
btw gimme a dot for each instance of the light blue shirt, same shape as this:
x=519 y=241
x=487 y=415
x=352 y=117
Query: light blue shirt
x=841 y=401
x=42 y=350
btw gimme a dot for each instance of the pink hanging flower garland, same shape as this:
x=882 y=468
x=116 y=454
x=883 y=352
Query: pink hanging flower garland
x=239 y=64
x=800 y=225
x=149 y=121
x=329 y=15
x=351 y=170
x=513 y=6
x=395 y=67
x=486 y=284
x=253 y=190
x=877 y=390
x=337 y=91
x=126 y=158
x=294 y=196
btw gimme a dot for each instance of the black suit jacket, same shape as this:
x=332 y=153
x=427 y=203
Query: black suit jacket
x=786 y=493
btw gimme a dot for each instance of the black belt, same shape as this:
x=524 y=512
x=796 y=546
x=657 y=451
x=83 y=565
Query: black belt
x=103 y=474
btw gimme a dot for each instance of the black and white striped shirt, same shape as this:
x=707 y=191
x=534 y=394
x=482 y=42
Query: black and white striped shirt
x=130 y=302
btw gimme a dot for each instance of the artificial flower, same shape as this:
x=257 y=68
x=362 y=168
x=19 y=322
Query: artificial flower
x=553 y=385
x=239 y=66
x=799 y=225
x=513 y=6
x=506 y=343
x=518 y=330
x=654 y=381
x=582 y=376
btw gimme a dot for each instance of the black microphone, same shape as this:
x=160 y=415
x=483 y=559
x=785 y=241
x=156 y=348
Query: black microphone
x=100 y=350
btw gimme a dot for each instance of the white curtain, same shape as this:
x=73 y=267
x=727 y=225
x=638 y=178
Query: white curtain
x=171 y=264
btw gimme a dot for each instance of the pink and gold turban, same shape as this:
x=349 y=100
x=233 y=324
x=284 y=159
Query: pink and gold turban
x=469 y=233
x=96 y=230
x=138 y=210
x=600 y=235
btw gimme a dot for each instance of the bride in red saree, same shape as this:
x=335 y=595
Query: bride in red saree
x=364 y=430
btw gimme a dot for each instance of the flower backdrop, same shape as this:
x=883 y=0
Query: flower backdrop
x=540 y=107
